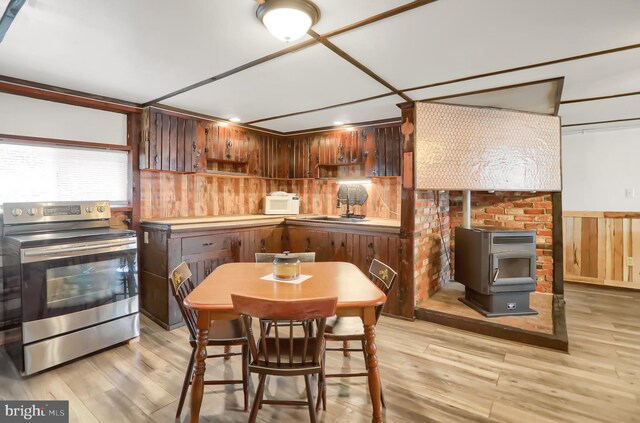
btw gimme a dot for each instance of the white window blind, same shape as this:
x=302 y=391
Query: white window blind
x=44 y=173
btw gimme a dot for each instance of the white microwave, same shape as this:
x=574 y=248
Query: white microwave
x=281 y=203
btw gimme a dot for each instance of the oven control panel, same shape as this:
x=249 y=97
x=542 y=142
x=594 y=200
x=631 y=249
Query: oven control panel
x=19 y=213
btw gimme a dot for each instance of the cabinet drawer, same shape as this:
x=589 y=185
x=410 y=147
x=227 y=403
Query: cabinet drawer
x=205 y=244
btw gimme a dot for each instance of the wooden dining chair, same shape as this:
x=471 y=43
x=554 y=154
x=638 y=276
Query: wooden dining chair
x=288 y=353
x=346 y=329
x=305 y=257
x=222 y=333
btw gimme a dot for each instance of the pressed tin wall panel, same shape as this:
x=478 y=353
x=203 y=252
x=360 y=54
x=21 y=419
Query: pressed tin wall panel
x=485 y=149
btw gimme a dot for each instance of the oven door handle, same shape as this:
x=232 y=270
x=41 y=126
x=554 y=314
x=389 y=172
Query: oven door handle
x=53 y=253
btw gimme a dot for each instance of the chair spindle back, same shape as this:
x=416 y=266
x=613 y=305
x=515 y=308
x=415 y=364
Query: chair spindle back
x=383 y=277
x=305 y=313
x=268 y=257
x=181 y=286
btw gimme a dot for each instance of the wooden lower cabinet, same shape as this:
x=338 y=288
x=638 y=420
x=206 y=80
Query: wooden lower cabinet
x=164 y=249
x=359 y=248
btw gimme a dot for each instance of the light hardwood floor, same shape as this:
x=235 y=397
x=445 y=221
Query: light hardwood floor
x=430 y=374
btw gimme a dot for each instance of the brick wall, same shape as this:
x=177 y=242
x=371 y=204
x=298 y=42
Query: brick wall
x=431 y=242
x=515 y=210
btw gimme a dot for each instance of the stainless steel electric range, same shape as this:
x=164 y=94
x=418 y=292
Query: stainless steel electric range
x=70 y=282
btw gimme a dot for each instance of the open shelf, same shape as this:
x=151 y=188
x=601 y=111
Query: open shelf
x=227 y=167
x=341 y=164
x=224 y=173
x=228 y=161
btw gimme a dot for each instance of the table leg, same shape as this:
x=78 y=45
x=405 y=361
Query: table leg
x=372 y=363
x=197 y=388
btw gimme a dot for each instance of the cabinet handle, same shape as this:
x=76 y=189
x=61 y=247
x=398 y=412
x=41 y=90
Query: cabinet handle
x=206 y=244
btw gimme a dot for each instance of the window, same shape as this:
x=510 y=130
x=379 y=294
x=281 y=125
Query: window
x=51 y=173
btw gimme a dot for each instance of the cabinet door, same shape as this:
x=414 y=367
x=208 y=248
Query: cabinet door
x=320 y=242
x=338 y=243
x=203 y=254
x=274 y=239
x=298 y=240
x=202 y=266
x=261 y=240
x=174 y=143
x=248 y=246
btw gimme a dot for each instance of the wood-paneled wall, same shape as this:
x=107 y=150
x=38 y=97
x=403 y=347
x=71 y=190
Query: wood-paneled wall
x=318 y=196
x=602 y=248
x=196 y=167
x=172 y=194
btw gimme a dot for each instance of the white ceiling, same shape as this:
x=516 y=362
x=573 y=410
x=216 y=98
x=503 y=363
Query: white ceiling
x=378 y=109
x=596 y=76
x=456 y=38
x=141 y=50
x=602 y=110
x=258 y=92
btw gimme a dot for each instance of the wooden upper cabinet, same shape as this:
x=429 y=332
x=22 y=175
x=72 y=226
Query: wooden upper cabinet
x=171 y=143
x=181 y=144
x=346 y=154
x=387 y=151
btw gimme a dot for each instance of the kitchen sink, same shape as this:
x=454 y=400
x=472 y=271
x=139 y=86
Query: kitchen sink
x=336 y=219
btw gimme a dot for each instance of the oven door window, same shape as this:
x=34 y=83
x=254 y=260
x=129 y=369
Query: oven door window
x=57 y=287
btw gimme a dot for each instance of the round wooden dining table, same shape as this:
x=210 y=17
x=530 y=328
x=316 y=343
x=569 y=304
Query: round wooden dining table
x=357 y=296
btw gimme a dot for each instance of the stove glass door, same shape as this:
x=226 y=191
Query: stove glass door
x=57 y=286
x=513 y=268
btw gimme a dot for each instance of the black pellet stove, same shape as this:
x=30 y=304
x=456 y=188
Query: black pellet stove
x=497 y=266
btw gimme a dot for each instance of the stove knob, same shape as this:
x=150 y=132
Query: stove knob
x=16 y=212
x=89 y=209
x=101 y=209
x=32 y=212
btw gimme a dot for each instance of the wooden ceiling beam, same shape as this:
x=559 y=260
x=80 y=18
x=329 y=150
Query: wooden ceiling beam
x=32 y=89
x=296 y=47
x=558 y=103
x=377 y=123
x=337 y=50
x=318 y=109
x=604 y=97
x=600 y=122
x=264 y=59
x=525 y=67
x=376 y=18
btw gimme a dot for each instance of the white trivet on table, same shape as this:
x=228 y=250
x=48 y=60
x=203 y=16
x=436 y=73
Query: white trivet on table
x=295 y=281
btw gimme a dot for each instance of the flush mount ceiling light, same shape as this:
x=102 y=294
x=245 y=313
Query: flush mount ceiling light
x=287 y=20
x=234 y=119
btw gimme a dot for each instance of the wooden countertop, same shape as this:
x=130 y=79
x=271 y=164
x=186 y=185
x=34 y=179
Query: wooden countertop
x=368 y=224
x=187 y=224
